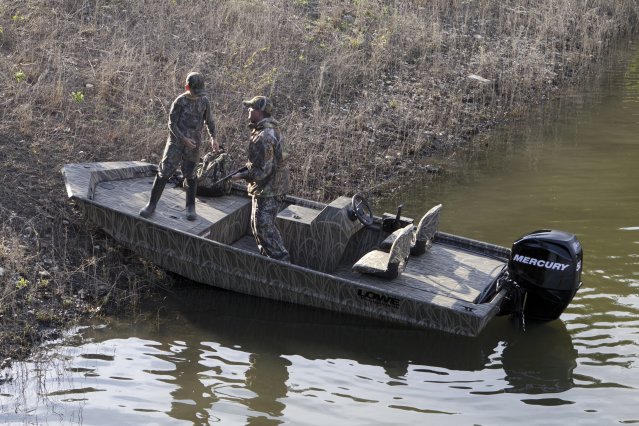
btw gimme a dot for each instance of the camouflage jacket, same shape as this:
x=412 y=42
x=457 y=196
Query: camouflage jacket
x=188 y=115
x=267 y=173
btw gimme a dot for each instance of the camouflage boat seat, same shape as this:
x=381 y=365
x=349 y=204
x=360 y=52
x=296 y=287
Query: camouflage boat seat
x=423 y=236
x=388 y=264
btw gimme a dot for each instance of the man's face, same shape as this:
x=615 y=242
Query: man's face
x=254 y=115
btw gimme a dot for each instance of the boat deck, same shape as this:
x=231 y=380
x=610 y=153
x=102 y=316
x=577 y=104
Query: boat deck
x=443 y=271
x=130 y=195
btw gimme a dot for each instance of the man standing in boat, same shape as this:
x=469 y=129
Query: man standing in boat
x=267 y=176
x=189 y=113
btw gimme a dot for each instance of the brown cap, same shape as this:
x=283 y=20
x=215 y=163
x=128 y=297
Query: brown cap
x=261 y=103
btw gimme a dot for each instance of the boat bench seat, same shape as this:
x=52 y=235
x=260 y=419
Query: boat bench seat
x=228 y=217
x=304 y=216
x=388 y=264
x=424 y=233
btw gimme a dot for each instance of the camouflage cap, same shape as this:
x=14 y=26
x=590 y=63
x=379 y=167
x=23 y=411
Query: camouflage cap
x=195 y=80
x=261 y=103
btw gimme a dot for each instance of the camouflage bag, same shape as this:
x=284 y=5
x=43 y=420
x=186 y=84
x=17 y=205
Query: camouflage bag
x=209 y=171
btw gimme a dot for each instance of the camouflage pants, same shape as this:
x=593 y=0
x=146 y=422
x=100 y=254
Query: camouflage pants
x=174 y=156
x=267 y=235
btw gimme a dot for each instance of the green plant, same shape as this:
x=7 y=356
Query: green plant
x=77 y=96
x=382 y=40
x=17 y=18
x=251 y=60
x=43 y=316
x=20 y=76
x=22 y=283
x=356 y=42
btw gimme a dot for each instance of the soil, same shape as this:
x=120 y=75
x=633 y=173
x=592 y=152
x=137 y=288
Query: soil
x=54 y=267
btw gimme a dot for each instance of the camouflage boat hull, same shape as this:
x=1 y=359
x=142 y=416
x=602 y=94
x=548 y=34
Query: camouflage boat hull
x=437 y=290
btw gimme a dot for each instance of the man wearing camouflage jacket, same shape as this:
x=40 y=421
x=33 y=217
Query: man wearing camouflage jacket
x=267 y=177
x=189 y=113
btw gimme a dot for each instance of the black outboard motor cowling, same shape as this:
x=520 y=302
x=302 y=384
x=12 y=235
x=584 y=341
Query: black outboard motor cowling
x=547 y=265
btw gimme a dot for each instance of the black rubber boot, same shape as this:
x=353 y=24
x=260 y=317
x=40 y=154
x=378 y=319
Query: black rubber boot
x=191 y=187
x=156 y=193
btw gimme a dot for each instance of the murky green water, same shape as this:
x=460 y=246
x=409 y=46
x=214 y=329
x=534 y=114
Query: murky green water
x=206 y=356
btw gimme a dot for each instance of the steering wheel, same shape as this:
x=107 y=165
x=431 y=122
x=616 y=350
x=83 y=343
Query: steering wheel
x=361 y=210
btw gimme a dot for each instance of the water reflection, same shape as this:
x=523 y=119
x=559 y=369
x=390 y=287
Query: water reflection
x=190 y=397
x=199 y=383
x=205 y=356
x=540 y=361
x=631 y=81
x=227 y=349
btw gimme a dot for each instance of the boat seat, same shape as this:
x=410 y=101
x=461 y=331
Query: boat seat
x=423 y=235
x=388 y=264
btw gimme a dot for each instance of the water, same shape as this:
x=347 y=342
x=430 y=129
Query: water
x=203 y=356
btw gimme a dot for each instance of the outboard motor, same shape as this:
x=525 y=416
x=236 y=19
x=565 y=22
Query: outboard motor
x=546 y=265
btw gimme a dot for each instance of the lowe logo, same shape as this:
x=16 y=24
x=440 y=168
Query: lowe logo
x=540 y=263
x=371 y=296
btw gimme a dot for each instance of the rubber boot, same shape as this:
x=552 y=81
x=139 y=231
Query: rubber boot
x=156 y=193
x=191 y=187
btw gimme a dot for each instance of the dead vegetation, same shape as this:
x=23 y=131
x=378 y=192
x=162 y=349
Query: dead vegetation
x=368 y=91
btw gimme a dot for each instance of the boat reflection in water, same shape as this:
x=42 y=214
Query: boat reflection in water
x=197 y=326
x=540 y=360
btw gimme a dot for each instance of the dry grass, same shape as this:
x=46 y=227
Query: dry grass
x=358 y=85
x=367 y=91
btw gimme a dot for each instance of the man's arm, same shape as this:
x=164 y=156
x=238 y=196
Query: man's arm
x=210 y=125
x=174 y=118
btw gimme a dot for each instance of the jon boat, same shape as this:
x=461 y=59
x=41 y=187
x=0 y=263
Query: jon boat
x=343 y=258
